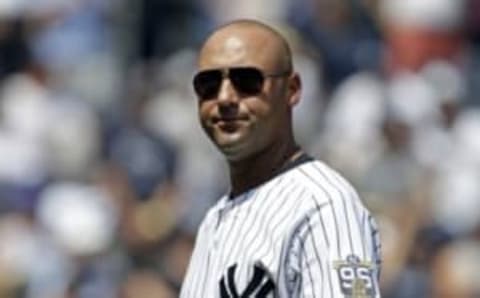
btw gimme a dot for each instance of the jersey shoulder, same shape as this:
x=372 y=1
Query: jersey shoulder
x=324 y=185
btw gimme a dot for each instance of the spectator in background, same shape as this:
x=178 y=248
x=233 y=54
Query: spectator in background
x=417 y=32
x=50 y=132
x=343 y=33
x=14 y=50
x=145 y=284
x=357 y=105
x=169 y=25
x=455 y=270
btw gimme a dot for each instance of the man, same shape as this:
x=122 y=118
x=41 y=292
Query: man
x=290 y=226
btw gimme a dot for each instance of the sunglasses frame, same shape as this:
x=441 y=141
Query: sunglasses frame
x=226 y=74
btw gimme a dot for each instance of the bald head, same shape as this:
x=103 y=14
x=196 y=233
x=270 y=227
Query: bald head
x=246 y=43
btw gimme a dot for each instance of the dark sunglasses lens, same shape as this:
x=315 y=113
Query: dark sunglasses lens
x=207 y=83
x=247 y=81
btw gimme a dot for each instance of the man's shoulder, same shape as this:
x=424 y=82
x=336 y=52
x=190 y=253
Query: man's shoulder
x=317 y=174
x=323 y=183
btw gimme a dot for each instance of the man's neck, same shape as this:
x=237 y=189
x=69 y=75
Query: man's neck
x=261 y=167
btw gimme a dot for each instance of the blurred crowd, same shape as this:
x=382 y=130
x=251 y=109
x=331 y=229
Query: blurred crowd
x=105 y=173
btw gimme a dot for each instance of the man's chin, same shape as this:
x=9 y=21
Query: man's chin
x=233 y=149
x=228 y=140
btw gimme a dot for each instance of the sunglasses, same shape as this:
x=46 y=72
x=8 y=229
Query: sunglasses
x=247 y=81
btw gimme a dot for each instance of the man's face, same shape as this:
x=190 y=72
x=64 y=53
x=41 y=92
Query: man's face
x=242 y=124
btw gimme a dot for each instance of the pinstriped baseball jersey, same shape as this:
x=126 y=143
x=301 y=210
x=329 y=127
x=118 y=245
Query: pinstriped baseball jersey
x=303 y=233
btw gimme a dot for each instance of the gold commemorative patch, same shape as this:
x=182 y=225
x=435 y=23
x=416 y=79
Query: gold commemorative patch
x=355 y=277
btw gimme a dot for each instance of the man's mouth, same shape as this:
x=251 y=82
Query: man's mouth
x=224 y=119
x=228 y=124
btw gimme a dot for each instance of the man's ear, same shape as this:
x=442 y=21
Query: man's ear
x=294 y=89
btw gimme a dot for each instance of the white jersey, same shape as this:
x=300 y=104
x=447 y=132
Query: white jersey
x=304 y=233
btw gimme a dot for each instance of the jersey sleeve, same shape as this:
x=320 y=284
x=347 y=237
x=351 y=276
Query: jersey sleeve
x=334 y=252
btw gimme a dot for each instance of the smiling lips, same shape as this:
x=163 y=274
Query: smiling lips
x=228 y=124
x=227 y=119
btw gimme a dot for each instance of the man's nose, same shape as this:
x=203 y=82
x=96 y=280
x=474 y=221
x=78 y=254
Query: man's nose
x=227 y=94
